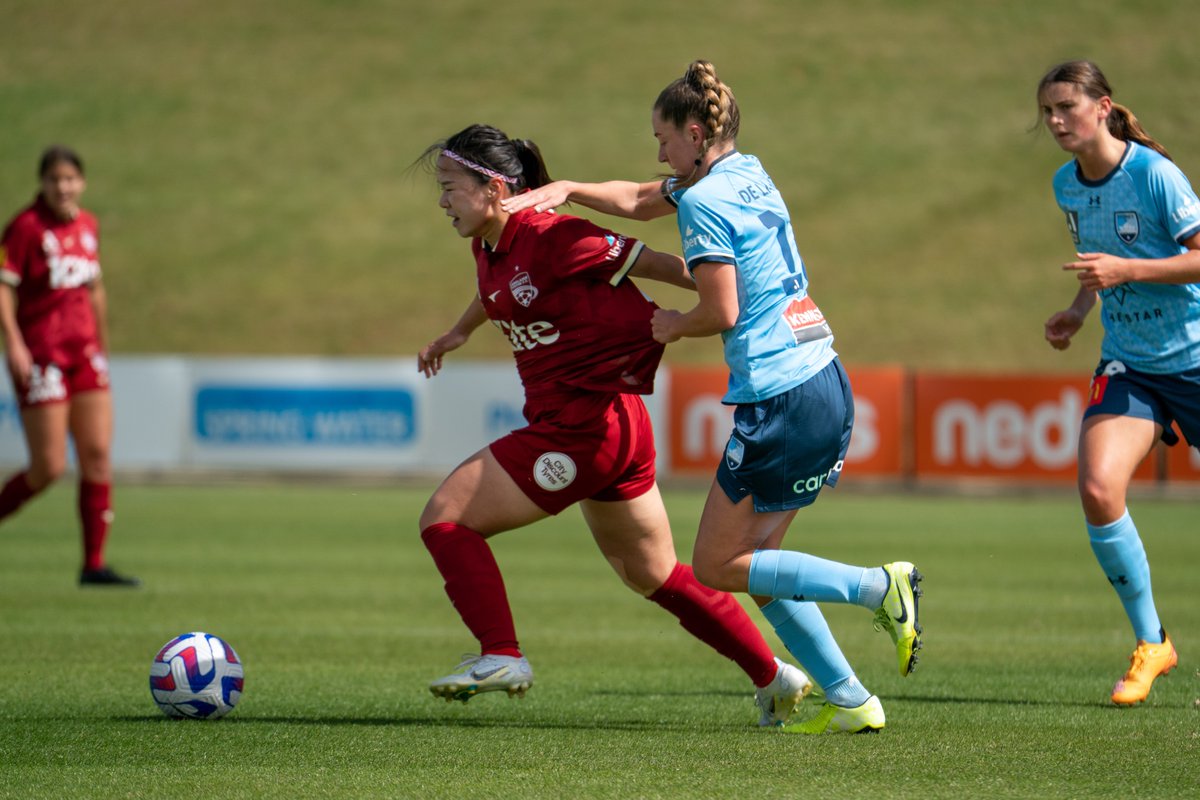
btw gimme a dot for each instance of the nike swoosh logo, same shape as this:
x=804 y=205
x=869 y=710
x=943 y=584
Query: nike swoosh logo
x=903 y=618
x=492 y=296
x=479 y=676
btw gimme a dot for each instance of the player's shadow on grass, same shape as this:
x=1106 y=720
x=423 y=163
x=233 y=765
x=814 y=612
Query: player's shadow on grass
x=1000 y=701
x=437 y=722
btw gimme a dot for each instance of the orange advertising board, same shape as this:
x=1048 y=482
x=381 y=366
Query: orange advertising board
x=699 y=424
x=1000 y=426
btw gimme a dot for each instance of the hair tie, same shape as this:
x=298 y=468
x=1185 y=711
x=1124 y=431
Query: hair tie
x=471 y=165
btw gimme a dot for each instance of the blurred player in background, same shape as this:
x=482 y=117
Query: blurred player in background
x=1135 y=222
x=794 y=405
x=53 y=316
x=558 y=288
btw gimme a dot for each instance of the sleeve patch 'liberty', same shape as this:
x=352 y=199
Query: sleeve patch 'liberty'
x=806 y=320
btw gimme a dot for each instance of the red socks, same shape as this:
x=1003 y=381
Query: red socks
x=476 y=588
x=718 y=620
x=14 y=494
x=474 y=584
x=95 y=512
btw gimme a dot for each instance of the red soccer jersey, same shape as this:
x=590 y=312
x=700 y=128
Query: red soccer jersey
x=51 y=262
x=556 y=287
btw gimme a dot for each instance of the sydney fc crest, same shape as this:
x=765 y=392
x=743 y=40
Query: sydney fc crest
x=523 y=289
x=1127 y=226
x=735 y=450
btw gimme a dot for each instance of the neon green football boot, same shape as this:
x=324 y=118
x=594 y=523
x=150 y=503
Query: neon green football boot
x=898 y=614
x=867 y=718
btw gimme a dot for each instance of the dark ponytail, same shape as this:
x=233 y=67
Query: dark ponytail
x=517 y=162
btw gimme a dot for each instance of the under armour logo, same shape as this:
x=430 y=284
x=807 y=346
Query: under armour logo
x=1094 y=201
x=1121 y=579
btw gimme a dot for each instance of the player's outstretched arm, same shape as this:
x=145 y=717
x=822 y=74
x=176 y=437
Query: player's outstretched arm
x=429 y=359
x=716 y=311
x=641 y=201
x=663 y=267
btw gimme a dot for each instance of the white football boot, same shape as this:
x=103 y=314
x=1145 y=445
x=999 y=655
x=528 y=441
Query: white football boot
x=488 y=673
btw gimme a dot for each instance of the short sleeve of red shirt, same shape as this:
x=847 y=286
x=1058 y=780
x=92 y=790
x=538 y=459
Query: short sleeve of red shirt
x=13 y=249
x=579 y=248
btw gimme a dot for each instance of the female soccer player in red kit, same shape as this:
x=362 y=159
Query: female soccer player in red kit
x=53 y=317
x=558 y=288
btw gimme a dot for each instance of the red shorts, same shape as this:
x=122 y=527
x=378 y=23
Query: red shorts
x=592 y=446
x=57 y=381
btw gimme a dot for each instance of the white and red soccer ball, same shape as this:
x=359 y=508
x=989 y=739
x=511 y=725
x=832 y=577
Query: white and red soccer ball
x=196 y=675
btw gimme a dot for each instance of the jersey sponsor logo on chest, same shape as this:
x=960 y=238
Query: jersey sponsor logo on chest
x=527 y=337
x=806 y=321
x=69 y=271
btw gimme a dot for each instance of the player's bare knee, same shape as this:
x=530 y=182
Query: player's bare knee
x=42 y=474
x=1102 y=502
x=712 y=574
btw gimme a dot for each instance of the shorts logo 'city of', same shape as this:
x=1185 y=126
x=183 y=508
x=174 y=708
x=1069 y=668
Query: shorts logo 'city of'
x=554 y=471
x=45 y=383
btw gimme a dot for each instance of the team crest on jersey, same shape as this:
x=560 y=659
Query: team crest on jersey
x=1126 y=223
x=554 y=471
x=523 y=289
x=88 y=241
x=734 y=452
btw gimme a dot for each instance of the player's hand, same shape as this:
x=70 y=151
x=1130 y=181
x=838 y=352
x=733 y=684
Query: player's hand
x=20 y=362
x=543 y=198
x=662 y=325
x=429 y=359
x=1061 y=327
x=1098 y=271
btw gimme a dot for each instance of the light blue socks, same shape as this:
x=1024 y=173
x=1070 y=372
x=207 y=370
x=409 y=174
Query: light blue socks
x=1119 y=550
x=803 y=630
x=798 y=576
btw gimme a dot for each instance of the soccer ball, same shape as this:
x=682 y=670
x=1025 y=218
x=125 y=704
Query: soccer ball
x=196 y=675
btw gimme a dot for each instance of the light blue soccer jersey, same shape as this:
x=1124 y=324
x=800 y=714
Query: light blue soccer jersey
x=735 y=215
x=1142 y=209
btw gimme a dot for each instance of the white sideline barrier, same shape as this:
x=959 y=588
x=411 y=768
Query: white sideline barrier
x=297 y=414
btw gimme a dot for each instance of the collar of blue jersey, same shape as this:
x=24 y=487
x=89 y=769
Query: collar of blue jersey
x=671 y=186
x=1120 y=165
x=722 y=157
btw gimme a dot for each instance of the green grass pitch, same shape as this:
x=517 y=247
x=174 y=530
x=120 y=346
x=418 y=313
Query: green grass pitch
x=340 y=618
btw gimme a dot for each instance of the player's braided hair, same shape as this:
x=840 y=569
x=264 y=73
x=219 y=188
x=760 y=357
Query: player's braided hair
x=1122 y=124
x=701 y=96
x=518 y=162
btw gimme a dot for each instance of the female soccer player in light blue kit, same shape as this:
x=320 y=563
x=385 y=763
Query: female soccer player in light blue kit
x=794 y=405
x=1135 y=222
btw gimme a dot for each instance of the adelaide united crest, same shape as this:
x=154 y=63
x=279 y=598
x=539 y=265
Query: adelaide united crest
x=523 y=289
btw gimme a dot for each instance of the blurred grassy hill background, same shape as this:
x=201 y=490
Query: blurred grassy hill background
x=248 y=160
